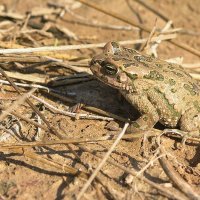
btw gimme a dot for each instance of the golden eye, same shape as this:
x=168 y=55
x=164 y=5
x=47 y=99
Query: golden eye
x=110 y=69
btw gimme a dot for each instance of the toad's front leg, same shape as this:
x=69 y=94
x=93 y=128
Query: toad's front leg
x=149 y=114
x=145 y=122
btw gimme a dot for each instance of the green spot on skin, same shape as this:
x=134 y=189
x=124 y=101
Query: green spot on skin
x=115 y=44
x=135 y=124
x=170 y=66
x=145 y=118
x=132 y=76
x=146 y=109
x=196 y=105
x=178 y=74
x=145 y=64
x=149 y=58
x=173 y=90
x=172 y=81
x=158 y=111
x=116 y=47
x=158 y=65
x=154 y=75
x=190 y=89
x=174 y=114
x=140 y=58
x=130 y=64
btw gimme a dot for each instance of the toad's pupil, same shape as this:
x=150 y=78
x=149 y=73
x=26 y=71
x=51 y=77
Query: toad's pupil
x=110 y=69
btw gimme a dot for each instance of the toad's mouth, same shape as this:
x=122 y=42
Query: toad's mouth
x=109 y=79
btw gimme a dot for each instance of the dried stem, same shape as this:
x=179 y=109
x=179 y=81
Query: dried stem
x=27 y=100
x=71 y=114
x=76 y=47
x=51 y=129
x=27 y=85
x=153 y=9
x=16 y=104
x=176 y=178
x=65 y=141
x=35 y=78
x=143 y=27
x=87 y=108
x=92 y=177
x=49 y=162
x=172 y=194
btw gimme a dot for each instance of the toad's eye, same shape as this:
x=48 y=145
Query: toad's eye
x=110 y=69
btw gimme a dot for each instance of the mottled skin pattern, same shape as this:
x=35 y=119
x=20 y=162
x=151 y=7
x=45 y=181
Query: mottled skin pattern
x=161 y=91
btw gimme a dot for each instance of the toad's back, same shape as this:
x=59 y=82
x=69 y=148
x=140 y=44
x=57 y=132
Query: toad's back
x=161 y=91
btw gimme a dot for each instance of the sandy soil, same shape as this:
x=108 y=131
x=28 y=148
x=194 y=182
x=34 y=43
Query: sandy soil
x=24 y=178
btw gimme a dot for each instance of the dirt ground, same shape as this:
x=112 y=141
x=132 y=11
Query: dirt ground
x=43 y=172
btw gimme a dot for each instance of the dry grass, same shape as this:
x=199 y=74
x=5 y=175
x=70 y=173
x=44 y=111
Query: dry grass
x=22 y=67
